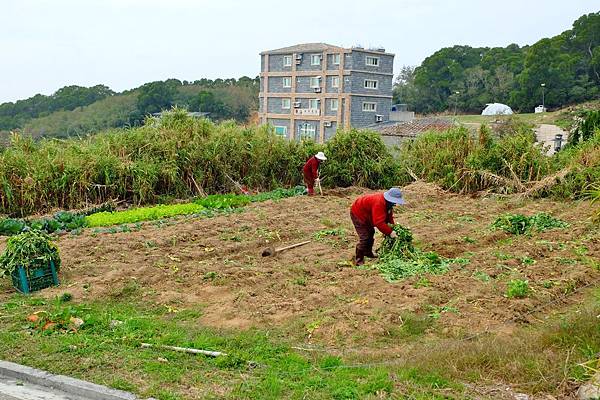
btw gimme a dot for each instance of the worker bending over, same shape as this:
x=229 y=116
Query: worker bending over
x=370 y=211
x=311 y=171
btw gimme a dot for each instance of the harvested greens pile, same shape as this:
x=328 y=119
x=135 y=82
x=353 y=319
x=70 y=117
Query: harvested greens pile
x=30 y=250
x=399 y=259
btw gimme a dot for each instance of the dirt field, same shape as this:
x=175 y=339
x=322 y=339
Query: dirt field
x=215 y=265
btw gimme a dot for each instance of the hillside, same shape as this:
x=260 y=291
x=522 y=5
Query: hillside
x=467 y=78
x=73 y=110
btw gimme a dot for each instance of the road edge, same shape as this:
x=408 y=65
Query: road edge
x=63 y=383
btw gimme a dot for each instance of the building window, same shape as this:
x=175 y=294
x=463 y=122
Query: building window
x=335 y=81
x=315 y=81
x=287 y=82
x=315 y=59
x=368 y=106
x=372 y=61
x=336 y=59
x=281 y=130
x=313 y=104
x=307 y=131
x=287 y=61
x=285 y=104
x=371 y=84
x=334 y=104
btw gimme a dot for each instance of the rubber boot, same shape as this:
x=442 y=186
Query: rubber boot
x=360 y=258
x=370 y=254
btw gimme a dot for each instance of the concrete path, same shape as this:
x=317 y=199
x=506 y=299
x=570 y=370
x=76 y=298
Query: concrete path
x=12 y=389
x=545 y=134
x=19 y=382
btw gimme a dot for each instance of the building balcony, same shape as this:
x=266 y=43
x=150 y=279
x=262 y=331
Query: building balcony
x=307 y=111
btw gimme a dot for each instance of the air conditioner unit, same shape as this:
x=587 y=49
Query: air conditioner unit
x=317 y=90
x=378 y=118
x=327 y=124
x=297 y=104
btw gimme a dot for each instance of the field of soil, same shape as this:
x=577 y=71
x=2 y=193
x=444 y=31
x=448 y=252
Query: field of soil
x=215 y=265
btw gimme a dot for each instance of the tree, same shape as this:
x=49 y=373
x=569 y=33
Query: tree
x=156 y=96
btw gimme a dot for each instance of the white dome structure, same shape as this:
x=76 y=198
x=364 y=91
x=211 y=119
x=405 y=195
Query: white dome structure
x=497 y=109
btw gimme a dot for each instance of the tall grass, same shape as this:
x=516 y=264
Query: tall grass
x=510 y=163
x=174 y=157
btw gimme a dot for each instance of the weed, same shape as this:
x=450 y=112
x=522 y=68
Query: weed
x=517 y=288
x=482 y=276
x=526 y=260
x=435 y=312
x=210 y=276
x=65 y=297
x=422 y=282
x=300 y=281
x=468 y=239
x=548 y=284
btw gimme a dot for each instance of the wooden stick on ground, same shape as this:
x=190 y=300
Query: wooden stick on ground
x=184 y=350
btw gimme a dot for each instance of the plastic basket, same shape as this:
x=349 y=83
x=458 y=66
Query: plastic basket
x=37 y=278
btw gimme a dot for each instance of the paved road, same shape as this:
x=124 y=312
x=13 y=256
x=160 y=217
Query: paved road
x=545 y=134
x=10 y=389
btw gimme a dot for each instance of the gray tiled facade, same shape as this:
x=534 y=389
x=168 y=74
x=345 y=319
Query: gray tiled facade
x=316 y=119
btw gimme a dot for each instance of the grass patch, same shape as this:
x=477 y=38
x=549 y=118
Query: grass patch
x=106 y=349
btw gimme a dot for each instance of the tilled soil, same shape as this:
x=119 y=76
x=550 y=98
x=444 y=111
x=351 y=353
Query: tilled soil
x=313 y=291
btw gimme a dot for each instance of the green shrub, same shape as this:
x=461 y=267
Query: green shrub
x=359 y=158
x=29 y=250
x=517 y=288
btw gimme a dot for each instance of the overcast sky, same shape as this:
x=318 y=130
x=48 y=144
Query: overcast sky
x=47 y=44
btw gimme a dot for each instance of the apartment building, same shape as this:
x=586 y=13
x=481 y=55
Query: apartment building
x=309 y=90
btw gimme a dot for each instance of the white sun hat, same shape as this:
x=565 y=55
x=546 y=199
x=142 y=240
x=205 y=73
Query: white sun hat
x=320 y=156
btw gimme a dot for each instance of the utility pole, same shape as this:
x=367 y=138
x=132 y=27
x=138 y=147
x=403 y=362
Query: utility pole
x=456 y=101
x=543 y=99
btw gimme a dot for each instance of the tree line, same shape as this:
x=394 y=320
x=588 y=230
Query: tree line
x=76 y=110
x=564 y=69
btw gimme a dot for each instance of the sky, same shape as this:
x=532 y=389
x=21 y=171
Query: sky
x=48 y=44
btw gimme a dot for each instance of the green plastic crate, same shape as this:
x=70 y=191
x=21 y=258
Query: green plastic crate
x=37 y=279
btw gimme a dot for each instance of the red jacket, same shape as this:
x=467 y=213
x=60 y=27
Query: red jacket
x=311 y=169
x=371 y=209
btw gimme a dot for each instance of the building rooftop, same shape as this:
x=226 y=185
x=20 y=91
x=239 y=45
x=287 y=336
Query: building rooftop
x=318 y=47
x=412 y=128
x=304 y=47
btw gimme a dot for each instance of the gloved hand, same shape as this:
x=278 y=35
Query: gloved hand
x=393 y=235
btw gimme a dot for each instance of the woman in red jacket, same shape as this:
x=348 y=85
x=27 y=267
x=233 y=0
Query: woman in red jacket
x=311 y=171
x=373 y=211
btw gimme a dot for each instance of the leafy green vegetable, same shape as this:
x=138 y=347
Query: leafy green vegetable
x=517 y=288
x=30 y=250
x=519 y=224
x=142 y=214
x=223 y=201
x=399 y=259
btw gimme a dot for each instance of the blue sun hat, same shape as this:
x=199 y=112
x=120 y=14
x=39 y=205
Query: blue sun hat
x=394 y=196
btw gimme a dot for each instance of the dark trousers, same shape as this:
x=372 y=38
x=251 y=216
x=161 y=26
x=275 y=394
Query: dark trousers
x=310 y=185
x=366 y=238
